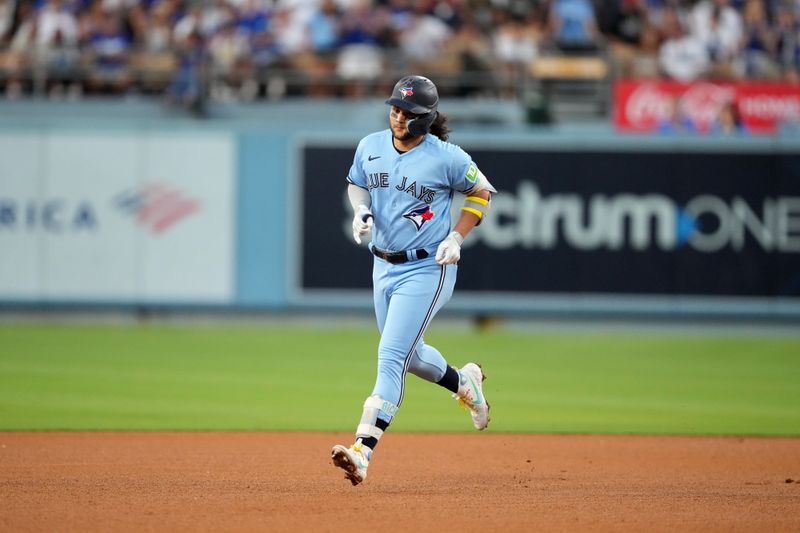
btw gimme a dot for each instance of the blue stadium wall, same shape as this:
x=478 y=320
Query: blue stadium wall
x=587 y=222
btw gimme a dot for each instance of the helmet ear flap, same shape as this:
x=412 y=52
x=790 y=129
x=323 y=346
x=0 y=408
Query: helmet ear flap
x=422 y=124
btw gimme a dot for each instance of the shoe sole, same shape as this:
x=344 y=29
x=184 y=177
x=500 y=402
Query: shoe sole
x=342 y=460
x=488 y=405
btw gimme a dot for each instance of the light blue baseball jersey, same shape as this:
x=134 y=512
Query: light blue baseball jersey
x=411 y=192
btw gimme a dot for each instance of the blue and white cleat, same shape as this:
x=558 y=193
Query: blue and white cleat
x=353 y=460
x=470 y=394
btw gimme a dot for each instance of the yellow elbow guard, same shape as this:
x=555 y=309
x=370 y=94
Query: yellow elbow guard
x=477 y=206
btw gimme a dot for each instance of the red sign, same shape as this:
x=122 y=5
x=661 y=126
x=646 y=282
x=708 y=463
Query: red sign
x=703 y=107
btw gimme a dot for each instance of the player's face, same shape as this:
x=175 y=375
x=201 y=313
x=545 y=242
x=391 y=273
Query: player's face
x=398 y=122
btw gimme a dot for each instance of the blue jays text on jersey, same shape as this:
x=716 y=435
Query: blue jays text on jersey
x=411 y=192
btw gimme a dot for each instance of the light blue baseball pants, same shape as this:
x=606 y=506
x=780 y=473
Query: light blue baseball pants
x=407 y=296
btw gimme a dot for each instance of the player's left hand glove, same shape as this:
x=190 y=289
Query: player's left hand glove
x=449 y=251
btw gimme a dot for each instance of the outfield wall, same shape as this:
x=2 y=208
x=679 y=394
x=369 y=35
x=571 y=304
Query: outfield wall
x=249 y=212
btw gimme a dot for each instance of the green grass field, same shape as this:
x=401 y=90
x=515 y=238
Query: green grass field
x=292 y=378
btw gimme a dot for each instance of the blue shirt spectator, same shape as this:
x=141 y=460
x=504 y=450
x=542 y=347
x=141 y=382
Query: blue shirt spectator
x=574 y=23
x=252 y=18
x=324 y=27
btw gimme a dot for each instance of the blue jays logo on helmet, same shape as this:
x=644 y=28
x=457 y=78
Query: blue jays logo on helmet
x=415 y=94
x=419 y=216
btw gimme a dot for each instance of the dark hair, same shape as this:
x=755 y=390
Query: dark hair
x=439 y=127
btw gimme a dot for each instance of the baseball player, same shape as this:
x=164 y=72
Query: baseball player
x=401 y=187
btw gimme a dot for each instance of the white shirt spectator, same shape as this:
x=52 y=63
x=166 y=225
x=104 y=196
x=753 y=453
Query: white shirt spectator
x=683 y=58
x=54 y=20
x=204 y=20
x=289 y=28
x=514 y=44
x=188 y=24
x=298 y=13
x=228 y=47
x=718 y=26
x=158 y=31
x=359 y=62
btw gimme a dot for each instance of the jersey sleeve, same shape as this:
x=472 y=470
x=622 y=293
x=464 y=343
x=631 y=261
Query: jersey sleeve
x=356 y=176
x=463 y=172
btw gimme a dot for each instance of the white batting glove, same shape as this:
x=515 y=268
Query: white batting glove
x=362 y=222
x=449 y=250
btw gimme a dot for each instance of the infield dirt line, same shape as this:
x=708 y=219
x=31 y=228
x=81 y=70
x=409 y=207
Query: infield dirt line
x=231 y=481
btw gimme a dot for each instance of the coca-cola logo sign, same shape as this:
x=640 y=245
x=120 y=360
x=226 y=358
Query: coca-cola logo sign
x=703 y=102
x=760 y=108
x=647 y=105
x=650 y=104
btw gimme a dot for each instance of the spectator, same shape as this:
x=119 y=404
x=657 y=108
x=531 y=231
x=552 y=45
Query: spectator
x=7 y=8
x=253 y=17
x=188 y=87
x=189 y=25
x=728 y=121
x=628 y=21
x=361 y=58
x=661 y=12
x=154 y=57
x=153 y=29
x=516 y=44
x=681 y=56
x=630 y=33
x=450 y=12
x=759 y=43
x=677 y=121
x=788 y=42
x=57 y=67
x=266 y=55
x=573 y=26
x=90 y=20
x=54 y=57
x=400 y=14
x=108 y=56
x=117 y=6
x=205 y=20
x=217 y=14
x=422 y=40
x=474 y=50
x=290 y=28
x=719 y=27
x=17 y=61
x=324 y=27
x=56 y=21
x=229 y=53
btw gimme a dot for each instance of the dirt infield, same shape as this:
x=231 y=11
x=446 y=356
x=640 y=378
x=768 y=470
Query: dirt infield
x=470 y=482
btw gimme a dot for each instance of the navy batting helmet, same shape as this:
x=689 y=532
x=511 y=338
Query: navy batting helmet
x=418 y=95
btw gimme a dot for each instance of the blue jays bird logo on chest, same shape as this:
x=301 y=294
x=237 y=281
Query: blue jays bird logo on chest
x=420 y=216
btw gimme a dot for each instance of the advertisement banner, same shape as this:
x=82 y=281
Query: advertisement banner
x=20 y=180
x=121 y=218
x=616 y=223
x=704 y=107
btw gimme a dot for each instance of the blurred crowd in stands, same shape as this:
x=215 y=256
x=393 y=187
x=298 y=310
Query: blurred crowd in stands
x=248 y=49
